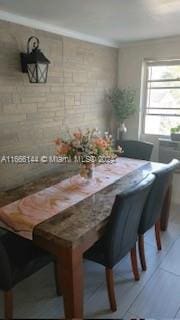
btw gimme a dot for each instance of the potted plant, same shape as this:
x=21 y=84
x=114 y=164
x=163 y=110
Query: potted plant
x=175 y=133
x=123 y=105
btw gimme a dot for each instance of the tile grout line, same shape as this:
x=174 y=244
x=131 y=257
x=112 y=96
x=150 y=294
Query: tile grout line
x=146 y=283
x=177 y=313
x=141 y=290
x=158 y=267
x=95 y=290
x=170 y=272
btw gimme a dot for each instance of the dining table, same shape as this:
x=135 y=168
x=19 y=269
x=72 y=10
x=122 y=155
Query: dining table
x=65 y=215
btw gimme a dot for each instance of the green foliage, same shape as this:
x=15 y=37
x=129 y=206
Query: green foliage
x=175 y=130
x=123 y=103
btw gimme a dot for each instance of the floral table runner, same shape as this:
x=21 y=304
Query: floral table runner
x=23 y=215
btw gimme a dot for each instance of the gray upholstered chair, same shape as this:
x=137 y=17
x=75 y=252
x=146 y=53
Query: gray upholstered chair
x=136 y=149
x=121 y=233
x=19 y=259
x=153 y=207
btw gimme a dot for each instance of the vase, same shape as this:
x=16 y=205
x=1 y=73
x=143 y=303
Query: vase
x=86 y=170
x=121 y=130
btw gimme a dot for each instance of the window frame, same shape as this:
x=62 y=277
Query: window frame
x=147 y=63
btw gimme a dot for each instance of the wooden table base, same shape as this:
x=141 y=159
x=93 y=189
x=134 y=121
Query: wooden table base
x=71 y=275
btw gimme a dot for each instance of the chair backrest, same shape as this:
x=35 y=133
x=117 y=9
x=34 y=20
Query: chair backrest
x=154 y=203
x=122 y=229
x=136 y=149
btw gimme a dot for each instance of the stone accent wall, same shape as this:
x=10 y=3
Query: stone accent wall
x=33 y=115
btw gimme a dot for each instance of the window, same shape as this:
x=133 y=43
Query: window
x=162 y=101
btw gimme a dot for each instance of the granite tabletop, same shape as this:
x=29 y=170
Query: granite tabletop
x=73 y=224
x=90 y=216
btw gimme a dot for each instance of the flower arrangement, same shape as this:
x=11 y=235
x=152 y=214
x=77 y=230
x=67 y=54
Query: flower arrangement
x=87 y=148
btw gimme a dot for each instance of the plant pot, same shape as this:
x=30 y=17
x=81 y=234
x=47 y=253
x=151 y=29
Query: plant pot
x=175 y=136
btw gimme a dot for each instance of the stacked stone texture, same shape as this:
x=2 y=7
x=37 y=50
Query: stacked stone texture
x=33 y=115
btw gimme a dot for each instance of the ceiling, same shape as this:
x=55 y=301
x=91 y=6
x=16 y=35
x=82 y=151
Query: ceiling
x=105 y=21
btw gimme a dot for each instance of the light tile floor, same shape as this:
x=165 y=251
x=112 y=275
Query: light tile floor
x=155 y=296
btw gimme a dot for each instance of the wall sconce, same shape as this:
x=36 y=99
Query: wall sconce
x=35 y=63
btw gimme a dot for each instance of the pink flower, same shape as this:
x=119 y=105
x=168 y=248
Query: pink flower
x=101 y=143
x=58 y=141
x=63 y=148
x=77 y=135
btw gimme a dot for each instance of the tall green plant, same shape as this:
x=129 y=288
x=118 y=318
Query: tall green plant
x=123 y=103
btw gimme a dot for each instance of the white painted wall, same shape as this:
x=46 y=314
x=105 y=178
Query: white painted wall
x=131 y=58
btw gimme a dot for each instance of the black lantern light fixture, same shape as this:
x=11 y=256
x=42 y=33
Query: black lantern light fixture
x=35 y=63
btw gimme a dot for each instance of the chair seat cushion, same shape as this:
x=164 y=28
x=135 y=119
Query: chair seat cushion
x=24 y=257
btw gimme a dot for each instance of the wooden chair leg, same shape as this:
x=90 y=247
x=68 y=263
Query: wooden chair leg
x=8 y=305
x=158 y=234
x=134 y=263
x=142 y=252
x=57 y=278
x=110 y=288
